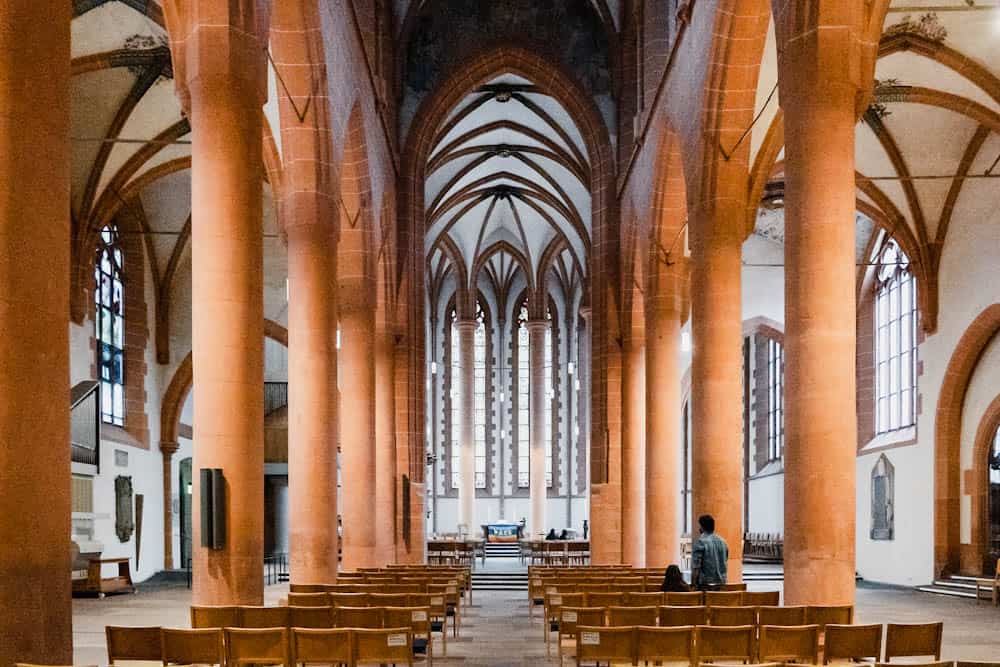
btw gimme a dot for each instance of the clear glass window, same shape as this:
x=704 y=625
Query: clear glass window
x=109 y=325
x=895 y=341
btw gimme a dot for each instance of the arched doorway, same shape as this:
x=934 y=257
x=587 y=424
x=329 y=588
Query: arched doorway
x=185 y=488
x=993 y=501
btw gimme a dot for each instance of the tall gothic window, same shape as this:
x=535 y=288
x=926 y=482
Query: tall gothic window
x=994 y=493
x=479 y=396
x=775 y=400
x=109 y=320
x=524 y=397
x=895 y=341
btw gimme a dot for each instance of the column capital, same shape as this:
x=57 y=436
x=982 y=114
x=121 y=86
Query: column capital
x=586 y=312
x=466 y=325
x=538 y=325
x=168 y=448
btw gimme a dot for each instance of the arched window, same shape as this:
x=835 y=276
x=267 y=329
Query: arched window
x=775 y=400
x=479 y=395
x=523 y=401
x=109 y=320
x=994 y=494
x=895 y=341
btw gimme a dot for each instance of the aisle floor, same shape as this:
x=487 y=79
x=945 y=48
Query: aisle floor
x=496 y=631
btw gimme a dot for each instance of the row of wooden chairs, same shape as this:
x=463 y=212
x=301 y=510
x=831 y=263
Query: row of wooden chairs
x=446 y=600
x=784 y=644
x=768 y=546
x=604 y=598
x=562 y=619
x=555 y=552
x=231 y=647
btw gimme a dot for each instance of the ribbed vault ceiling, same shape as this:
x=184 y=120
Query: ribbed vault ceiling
x=507 y=182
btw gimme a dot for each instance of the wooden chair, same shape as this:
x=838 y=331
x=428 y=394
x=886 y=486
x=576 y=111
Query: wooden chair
x=383 y=646
x=681 y=616
x=789 y=643
x=439 y=619
x=732 y=616
x=795 y=615
x=974 y=663
x=307 y=588
x=192 y=647
x=762 y=598
x=595 y=643
x=359 y=617
x=388 y=599
x=257 y=646
x=733 y=587
x=308 y=600
x=604 y=599
x=852 y=642
x=572 y=617
x=419 y=621
x=664 y=644
x=263 y=617
x=643 y=599
x=326 y=647
x=622 y=616
x=310 y=617
x=692 y=599
x=133 y=643
x=723 y=598
x=913 y=639
x=554 y=602
x=826 y=615
x=725 y=643
x=347 y=599
x=215 y=616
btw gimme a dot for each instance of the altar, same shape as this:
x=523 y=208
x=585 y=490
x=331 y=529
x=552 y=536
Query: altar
x=502 y=531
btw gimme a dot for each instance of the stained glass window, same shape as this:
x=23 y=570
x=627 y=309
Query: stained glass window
x=895 y=341
x=109 y=320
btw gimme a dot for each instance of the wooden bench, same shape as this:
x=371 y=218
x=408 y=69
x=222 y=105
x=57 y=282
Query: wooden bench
x=95 y=583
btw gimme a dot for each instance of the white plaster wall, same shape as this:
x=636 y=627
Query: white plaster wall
x=767 y=504
x=763 y=279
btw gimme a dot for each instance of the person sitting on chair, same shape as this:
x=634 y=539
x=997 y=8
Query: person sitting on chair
x=673 y=581
x=564 y=535
x=551 y=535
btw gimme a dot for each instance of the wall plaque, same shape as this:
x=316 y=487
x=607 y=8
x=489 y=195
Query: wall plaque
x=124 y=518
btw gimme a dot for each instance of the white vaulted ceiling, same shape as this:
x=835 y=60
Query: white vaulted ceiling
x=509 y=171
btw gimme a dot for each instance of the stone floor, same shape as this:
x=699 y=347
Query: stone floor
x=496 y=631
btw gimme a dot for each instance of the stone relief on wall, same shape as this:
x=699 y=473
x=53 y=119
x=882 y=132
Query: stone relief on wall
x=124 y=517
x=883 y=498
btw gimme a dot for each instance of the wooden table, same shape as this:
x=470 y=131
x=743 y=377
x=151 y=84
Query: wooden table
x=95 y=583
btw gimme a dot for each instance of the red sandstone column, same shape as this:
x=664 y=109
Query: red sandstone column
x=466 y=331
x=357 y=430
x=385 y=452
x=538 y=395
x=36 y=617
x=663 y=416
x=716 y=375
x=221 y=79
x=312 y=389
x=634 y=448
x=820 y=325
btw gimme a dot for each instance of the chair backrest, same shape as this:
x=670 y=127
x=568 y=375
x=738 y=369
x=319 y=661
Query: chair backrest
x=643 y=599
x=795 y=615
x=348 y=599
x=307 y=588
x=256 y=646
x=215 y=617
x=912 y=639
x=725 y=643
x=203 y=646
x=684 y=615
x=762 y=598
x=388 y=599
x=308 y=599
x=310 y=617
x=732 y=615
x=733 y=587
x=665 y=644
x=418 y=619
x=975 y=663
x=407 y=588
x=381 y=646
x=692 y=599
x=593 y=588
x=852 y=642
x=622 y=616
x=327 y=646
x=825 y=615
x=571 y=617
x=132 y=643
x=787 y=643
x=599 y=643
x=604 y=599
x=723 y=598
x=263 y=617
x=359 y=617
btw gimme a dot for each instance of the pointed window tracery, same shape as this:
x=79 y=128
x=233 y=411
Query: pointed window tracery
x=895 y=340
x=109 y=325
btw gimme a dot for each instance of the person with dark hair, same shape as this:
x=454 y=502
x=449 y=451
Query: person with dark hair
x=551 y=535
x=564 y=535
x=708 y=557
x=673 y=581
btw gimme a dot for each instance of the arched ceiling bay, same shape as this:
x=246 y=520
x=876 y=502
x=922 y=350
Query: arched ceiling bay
x=509 y=170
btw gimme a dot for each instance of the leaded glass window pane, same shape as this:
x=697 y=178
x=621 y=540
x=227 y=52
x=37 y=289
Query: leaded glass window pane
x=895 y=341
x=109 y=325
